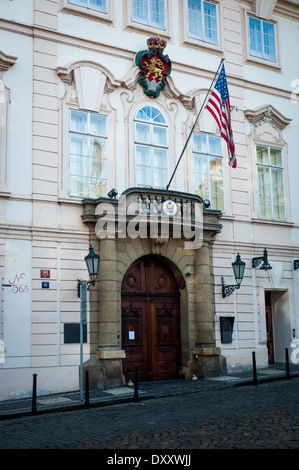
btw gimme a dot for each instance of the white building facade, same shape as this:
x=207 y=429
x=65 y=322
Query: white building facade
x=76 y=122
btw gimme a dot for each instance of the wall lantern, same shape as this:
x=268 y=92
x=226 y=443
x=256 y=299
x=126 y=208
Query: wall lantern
x=238 y=269
x=296 y=264
x=92 y=261
x=259 y=259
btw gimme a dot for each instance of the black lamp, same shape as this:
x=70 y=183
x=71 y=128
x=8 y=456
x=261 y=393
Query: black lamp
x=296 y=264
x=238 y=269
x=92 y=261
x=257 y=261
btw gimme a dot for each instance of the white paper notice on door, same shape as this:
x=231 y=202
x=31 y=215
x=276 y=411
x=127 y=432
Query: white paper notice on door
x=131 y=334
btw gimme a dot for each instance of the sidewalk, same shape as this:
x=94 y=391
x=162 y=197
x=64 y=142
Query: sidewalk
x=68 y=401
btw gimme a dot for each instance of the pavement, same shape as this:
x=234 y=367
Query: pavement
x=70 y=401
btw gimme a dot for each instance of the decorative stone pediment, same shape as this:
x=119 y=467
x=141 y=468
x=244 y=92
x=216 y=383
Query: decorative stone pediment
x=267 y=113
x=266 y=119
x=90 y=81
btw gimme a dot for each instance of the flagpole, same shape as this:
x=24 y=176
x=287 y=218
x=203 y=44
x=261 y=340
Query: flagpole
x=202 y=106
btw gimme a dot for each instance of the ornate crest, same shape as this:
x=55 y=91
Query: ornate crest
x=170 y=208
x=154 y=66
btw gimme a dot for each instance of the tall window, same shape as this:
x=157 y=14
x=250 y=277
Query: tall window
x=149 y=12
x=151 y=148
x=202 y=21
x=88 y=154
x=270 y=182
x=99 y=5
x=4 y=99
x=208 y=169
x=262 y=39
x=2 y=123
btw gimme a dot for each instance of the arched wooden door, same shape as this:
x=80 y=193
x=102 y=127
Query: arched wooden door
x=150 y=321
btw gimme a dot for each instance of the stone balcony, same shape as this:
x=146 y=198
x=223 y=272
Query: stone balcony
x=154 y=204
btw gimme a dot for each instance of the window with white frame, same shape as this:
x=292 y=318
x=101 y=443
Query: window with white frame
x=98 y=5
x=151 y=148
x=208 y=169
x=262 y=40
x=149 y=12
x=203 y=21
x=88 y=166
x=1 y=125
x=270 y=176
x=4 y=99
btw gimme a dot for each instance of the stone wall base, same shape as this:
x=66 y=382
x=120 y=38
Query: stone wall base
x=104 y=374
x=206 y=362
x=105 y=369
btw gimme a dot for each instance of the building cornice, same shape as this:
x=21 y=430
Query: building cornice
x=66 y=73
x=6 y=61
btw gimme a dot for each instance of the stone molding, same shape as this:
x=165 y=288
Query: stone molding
x=267 y=113
x=6 y=61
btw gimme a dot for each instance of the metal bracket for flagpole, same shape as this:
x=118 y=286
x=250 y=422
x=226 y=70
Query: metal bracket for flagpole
x=200 y=111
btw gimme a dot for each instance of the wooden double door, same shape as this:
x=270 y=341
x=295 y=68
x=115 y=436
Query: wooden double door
x=150 y=321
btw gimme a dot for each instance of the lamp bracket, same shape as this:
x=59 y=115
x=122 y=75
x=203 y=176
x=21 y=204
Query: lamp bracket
x=257 y=261
x=89 y=283
x=228 y=290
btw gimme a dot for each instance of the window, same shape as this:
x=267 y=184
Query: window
x=262 y=39
x=88 y=154
x=99 y=5
x=208 y=169
x=4 y=100
x=151 y=148
x=202 y=21
x=270 y=182
x=149 y=12
x=2 y=122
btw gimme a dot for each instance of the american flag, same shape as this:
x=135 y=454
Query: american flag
x=219 y=106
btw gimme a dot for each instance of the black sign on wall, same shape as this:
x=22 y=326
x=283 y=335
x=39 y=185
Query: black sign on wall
x=226 y=329
x=72 y=333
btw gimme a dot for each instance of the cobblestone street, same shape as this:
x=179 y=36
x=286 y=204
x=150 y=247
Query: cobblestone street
x=247 y=417
x=268 y=430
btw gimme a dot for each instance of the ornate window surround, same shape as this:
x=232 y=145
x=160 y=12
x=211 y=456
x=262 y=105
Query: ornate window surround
x=67 y=7
x=204 y=45
x=147 y=29
x=150 y=144
x=6 y=62
x=266 y=128
x=76 y=96
x=248 y=58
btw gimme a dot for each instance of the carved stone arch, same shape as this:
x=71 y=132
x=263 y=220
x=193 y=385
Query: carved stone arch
x=130 y=81
x=193 y=102
x=77 y=78
x=171 y=89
